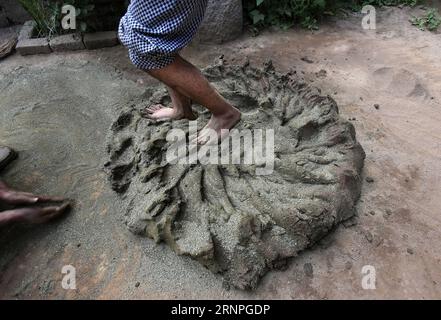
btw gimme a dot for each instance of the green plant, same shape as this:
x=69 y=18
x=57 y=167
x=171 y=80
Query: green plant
x=307 y=13
x=48 y=14
x=430 y=21
x=284 y=13
x=43 y=15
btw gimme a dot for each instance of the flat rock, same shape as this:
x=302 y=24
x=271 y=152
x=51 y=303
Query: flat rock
x=223 y=21
x=228 y=217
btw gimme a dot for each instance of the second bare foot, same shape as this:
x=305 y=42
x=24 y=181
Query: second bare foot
x=160 y=113
x=221 y=125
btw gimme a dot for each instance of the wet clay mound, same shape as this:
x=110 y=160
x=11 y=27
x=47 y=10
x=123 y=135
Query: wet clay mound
x=230 y=219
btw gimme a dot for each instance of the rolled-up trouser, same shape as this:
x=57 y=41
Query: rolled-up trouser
x=154 y=31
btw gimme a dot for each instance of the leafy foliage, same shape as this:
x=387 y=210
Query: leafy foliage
x=48 y=15
x=42 y=14
x=285 y=13
x=430 y=21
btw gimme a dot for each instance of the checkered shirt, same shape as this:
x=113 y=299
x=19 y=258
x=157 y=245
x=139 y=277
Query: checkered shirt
x=154 y=31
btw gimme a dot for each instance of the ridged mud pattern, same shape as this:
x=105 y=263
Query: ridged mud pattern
x=233 y=221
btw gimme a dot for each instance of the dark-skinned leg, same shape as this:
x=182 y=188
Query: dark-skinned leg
x=180 y=108
x=186 y=79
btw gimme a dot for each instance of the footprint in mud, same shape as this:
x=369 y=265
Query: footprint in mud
x=400 y=83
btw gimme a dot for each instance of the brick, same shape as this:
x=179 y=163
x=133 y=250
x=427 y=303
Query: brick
x=27 y=30
x=33 y=46
x=68 y=42
x=100 y=40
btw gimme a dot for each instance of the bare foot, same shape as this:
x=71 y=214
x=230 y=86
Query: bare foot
x=160 y=113
x=220 y=124
x=181 y=109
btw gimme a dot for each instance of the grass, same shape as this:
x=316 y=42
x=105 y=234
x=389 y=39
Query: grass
x=43 y=14
x=430 y=21
x=48 y=14
x=307 y=13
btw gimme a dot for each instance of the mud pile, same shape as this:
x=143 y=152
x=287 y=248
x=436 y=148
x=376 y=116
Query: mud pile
x=231 y=220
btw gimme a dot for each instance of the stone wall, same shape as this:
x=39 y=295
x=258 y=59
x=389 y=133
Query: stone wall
x=223 y=20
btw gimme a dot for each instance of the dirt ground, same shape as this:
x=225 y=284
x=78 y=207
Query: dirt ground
x=56 y=110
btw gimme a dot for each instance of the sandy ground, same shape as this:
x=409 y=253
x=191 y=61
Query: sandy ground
x=56 y=110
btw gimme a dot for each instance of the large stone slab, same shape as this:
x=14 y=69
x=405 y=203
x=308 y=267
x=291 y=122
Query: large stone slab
x=33 y=46
x=223 y=21
x=228 y=217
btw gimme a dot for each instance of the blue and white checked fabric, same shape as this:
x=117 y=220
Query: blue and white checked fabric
x=154 y=31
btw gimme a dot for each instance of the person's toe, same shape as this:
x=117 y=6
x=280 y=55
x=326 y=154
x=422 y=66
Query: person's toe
x=150 y=110
x=203 y=137
x=147 y=113
x=156 y=107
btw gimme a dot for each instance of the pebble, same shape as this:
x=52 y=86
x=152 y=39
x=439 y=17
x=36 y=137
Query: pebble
x=307 y=60
x=322 y=73
x=369 y=236
x=309 y=270
x=350 y=223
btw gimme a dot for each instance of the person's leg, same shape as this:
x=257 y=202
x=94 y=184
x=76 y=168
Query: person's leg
x=180 y=108
x=186 y=79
